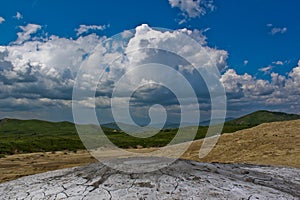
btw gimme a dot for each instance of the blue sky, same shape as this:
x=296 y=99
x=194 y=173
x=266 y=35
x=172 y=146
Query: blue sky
x=260 y=38
x=236 y=26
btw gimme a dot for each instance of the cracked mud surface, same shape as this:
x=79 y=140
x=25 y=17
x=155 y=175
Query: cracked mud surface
x=182 y=180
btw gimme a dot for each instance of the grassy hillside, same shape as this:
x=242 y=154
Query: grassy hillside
x=26 y=136
x=257 y=118
x=262 y=116
x=35 y=135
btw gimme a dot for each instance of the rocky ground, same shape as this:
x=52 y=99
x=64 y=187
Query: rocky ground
x=181 y=180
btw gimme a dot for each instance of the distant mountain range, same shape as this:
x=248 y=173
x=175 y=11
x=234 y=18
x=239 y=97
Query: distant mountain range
x=171 y=125
x=252 y=119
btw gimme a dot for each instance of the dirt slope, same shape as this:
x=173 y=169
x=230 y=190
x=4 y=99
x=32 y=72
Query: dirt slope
x=276 y=143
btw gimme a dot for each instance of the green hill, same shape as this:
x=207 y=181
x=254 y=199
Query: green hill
x=256 y=118
x=263 y=116
x=25 y=136
x=17 y=136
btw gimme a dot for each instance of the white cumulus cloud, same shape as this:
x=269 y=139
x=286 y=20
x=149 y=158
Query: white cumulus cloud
x=192 y=8
x=86 y=28
x=246 y=91
x=266 y=69
x=278 y=62
x=26 y=32
x=40 y=73
x=2 y=20
x=18 y=16
x=277 y=30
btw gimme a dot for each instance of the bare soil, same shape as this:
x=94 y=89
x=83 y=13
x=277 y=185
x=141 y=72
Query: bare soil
x=276 y=143
x=18 y=165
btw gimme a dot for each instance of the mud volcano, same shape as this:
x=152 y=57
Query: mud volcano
x=181 y=180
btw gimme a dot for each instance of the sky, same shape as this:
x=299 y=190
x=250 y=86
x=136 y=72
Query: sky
x=253 y=43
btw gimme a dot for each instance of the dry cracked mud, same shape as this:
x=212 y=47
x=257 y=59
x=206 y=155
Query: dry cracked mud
x=182 y=180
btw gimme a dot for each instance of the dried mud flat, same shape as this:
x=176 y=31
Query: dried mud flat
x=181 y=180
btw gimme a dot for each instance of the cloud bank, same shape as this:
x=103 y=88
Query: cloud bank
x=280 y=93
x=37 y=74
